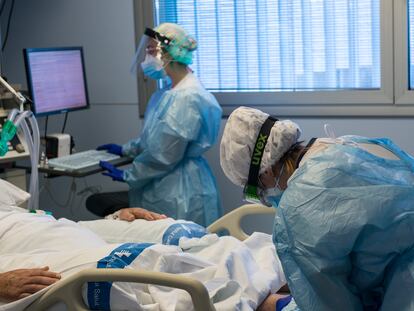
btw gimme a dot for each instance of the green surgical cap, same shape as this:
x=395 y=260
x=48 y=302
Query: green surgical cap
x=182 y=44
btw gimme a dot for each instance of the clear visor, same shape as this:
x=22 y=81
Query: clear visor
x=147 y=45
x=258 y=194
x=255 y=195
x=150 y=43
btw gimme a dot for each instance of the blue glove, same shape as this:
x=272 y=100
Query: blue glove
x=113 y=172
x=283 y=302
x=111 y=148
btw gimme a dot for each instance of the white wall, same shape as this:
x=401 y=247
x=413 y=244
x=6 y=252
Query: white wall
x=105 y=29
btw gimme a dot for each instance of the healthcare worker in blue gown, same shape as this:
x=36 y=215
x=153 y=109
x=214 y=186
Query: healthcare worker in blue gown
x=169 y=174
x=344 y=223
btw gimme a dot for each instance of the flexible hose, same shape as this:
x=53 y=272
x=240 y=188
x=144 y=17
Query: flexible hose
x=32 y=138
x=23 y=119
x=29 y=143
x=20 y=117
x=35 y=160
x=12 y=114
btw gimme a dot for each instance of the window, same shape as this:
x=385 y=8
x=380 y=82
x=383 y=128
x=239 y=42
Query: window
x=404 y=55
x=411 y=41
x=277 y=45
x=302 y=57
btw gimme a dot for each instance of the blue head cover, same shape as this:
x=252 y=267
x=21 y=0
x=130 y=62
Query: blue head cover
x=180 y=45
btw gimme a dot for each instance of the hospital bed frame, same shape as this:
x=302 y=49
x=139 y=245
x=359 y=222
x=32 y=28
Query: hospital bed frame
x=69 y=290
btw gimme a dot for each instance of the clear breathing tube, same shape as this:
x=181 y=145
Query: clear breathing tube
x=27 y=122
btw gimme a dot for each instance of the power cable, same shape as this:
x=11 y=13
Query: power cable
x=46 y=121
x=64 y=123
x=8 y=25
x=70 y=197
x=3 y=4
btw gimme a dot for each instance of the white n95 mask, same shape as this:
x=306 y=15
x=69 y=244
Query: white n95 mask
x=153 y=67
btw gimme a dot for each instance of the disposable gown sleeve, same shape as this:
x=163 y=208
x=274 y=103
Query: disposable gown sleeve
x=166 y=141
x=132 y=148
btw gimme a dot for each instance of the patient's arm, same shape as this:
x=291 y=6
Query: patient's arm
x=269 y=304
x=17 y=284
x=132 y=213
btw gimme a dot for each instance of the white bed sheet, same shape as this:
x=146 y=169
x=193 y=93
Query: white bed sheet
x=138 y=231
x=238 y=275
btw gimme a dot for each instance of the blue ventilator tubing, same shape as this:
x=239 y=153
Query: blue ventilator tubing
x=7 y=134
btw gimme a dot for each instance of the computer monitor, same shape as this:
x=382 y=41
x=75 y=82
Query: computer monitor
x=56 y=79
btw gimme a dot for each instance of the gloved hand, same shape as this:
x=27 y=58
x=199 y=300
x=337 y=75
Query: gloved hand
x=113 y=172
x=283 y=302
x=111 y=148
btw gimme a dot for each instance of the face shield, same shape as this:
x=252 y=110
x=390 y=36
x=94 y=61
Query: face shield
x=254 y=191
x=151 y=43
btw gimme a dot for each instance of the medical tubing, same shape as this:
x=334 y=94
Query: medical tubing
x=20 y=117
x=33 y=145
x=29 y=143
x=33 y=175
x=12 y=114
x=32 y=137
x=35 y=160
x=8 y=132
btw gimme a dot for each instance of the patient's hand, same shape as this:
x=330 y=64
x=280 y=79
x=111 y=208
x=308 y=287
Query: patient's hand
x=17 y=284
x=132 y=213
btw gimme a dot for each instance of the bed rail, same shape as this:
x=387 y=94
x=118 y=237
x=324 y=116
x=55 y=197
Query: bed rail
x=69 y=290
x=232 y=221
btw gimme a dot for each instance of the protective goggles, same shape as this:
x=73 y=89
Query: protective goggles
x=152 y=43
x=253 y=191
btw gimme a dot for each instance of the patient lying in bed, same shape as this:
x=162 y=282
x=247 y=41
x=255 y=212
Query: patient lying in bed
x=238 y=275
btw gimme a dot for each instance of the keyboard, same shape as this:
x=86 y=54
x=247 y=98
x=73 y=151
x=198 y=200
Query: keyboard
x=81 y=160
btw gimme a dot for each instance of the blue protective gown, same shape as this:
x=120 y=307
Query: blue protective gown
x=344 y=230
x=169 y=174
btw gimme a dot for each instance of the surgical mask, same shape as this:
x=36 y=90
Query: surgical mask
x=273 y=195
x=153 y=67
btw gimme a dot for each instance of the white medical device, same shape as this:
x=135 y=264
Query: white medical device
x=58 y=145
x=27 y=122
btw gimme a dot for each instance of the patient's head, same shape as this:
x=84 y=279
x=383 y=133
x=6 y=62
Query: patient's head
x=239 y=140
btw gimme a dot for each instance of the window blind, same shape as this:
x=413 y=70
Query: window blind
x=280 y=45
x=411 y=41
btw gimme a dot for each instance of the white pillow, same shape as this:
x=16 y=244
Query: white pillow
x=12 y=195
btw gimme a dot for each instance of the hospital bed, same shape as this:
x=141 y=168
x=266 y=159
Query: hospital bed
x=69 y=290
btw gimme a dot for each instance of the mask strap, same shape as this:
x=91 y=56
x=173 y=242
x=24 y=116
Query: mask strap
x=310 y=143
x=329 y=131
x=282 y=170
x=251 y=189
